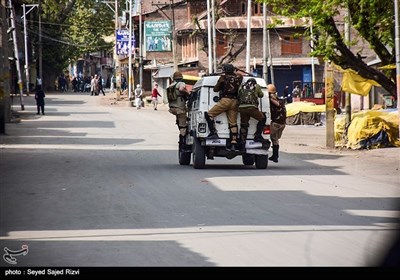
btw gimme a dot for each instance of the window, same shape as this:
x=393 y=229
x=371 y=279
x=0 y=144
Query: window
x=189 y=47
x=257 y=9
x=291 y=45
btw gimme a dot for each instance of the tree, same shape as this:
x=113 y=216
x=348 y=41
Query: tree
x=373 y=20
x=70 y=29
x=232 y=37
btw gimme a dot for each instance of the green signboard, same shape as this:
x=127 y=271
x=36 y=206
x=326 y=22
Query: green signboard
x=158 y=36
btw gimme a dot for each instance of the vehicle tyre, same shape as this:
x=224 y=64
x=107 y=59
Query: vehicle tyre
x=184 y=158
x=261 y=161
x=199 y=155
x=248 y=159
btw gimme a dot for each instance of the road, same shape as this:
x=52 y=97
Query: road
x=95 y=182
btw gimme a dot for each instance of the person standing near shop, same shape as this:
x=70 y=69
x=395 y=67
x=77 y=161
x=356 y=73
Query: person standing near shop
x=138 y=97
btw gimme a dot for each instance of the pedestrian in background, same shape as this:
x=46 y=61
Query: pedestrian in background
x=39 y=96
x=138 y=96
x=100 y=85
x=154 y=96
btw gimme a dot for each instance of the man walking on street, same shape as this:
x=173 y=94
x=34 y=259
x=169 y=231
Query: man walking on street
x=154 y=96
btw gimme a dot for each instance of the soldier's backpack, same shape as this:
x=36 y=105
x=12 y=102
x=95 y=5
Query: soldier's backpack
x=231 y=84
x=248 y=96
x=171 y=93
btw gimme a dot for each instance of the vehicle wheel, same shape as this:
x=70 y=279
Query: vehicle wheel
x=184 y=158
x=248 y=159
x=199 y=155
x=261 y=161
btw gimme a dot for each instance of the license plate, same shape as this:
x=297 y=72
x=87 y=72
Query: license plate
x=215 y=142
x=256 y=152
x=250 y=144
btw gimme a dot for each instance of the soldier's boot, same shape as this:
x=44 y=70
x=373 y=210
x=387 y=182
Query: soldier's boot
x=211 y=126
x=257 y=135
x=275 y=153
x=233 y=138
x=244 y=128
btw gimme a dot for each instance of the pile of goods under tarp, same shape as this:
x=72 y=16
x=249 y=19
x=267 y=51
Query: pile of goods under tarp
x=369 y=129
x=304 y=113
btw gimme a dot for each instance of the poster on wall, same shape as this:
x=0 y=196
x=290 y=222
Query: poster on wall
x=158 y=36
x=122 y=45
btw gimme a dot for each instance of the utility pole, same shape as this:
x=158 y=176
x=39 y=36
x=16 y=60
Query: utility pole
x=248 y=36
x=330 y=110
x=312 y=58
x=140 y=44
x=397 y=48
x=117 y=70
x=173 y=36
x=130 y=52
x=40 y=42
x=116 y=56
x=210 y=57
x=214 y=36
x=26 y=44
x=270 y=58
x=265 y=44
x=347 y=94
x=16 y=53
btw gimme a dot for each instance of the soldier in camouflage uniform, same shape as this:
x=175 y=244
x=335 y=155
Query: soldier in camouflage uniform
x=227 y=85
x=178 y=106
x=248 y=96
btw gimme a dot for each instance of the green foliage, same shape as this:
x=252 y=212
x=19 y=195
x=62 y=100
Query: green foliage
x=371 y=21
x=71 y=29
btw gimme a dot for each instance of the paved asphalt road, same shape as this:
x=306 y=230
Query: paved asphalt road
x=97 y=183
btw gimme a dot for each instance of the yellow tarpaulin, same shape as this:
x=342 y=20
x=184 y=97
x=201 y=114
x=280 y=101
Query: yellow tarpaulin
x=306 y=107
x=366 y=127
x=354 y=83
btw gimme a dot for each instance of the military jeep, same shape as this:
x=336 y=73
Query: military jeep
x=199 y=148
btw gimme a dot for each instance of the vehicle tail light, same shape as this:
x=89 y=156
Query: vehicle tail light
x=267 y=129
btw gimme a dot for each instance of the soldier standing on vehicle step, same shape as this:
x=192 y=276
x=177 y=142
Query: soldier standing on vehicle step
x=177 y=95
x=248 y=96
x=228 y=86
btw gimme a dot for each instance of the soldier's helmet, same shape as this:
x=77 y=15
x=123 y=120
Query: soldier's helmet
x=228 y=68
x=251 y=81
x=177 y=76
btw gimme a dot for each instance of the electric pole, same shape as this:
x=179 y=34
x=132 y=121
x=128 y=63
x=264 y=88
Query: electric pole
x=16 y=54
